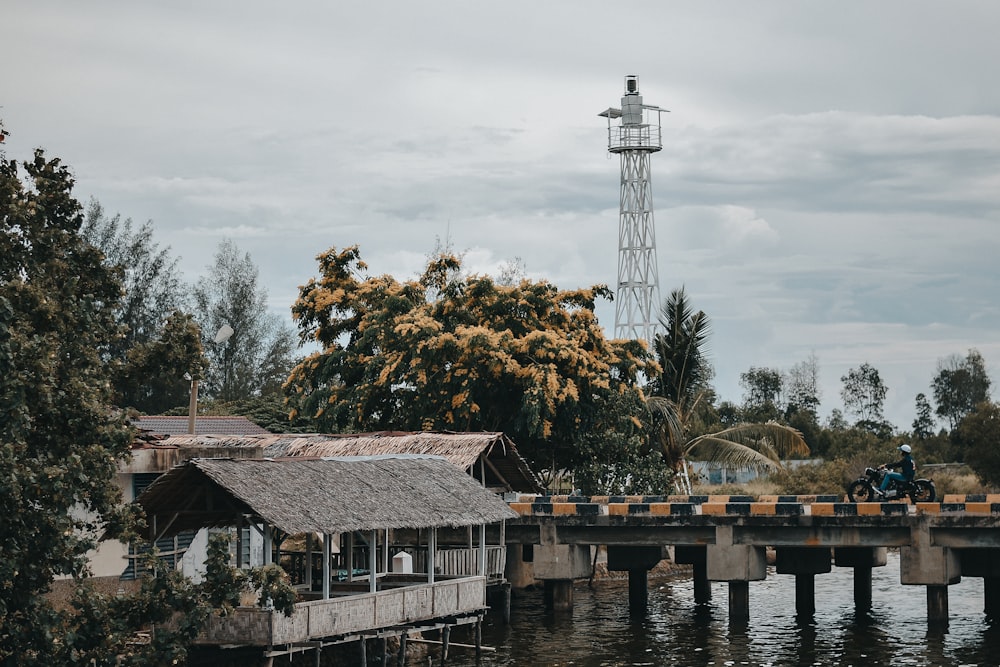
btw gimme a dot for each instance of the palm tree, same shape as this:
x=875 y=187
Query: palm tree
x=683 y=386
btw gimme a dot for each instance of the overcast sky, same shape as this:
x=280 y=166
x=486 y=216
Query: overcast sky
x=829 y=182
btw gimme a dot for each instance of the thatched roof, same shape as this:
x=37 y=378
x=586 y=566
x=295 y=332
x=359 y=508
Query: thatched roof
x=505 y=469
x=319 y=495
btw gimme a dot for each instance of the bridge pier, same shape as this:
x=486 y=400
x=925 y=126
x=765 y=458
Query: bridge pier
x=984 y=563
x=931 y=566
x=991 y=596
x=558 y=594
x=696 y=558
x=937 y=603
x=637 y=561
x=862 y=559
x=738 y=564
x=558 y=565
x=805 y=563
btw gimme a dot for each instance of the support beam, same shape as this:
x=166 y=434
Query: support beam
x=558 y=594
x=739 y=602
x=638 y=590
x=805 y=594
x=805 y=563
x=482 y=550
x=695 y=557
x=308 y=574
x=445 y=638
x=268 y=544
x=937 y=604
x=862 y=559
x=431 y=549
x=373 y=563
x=401 y=656
x=862 y=588
x=991 y=596
x=327 y=551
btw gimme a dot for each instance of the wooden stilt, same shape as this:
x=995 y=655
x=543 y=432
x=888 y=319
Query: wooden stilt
x=479 y=639
x=445 y=636
x=401 y=656
x=364 y=652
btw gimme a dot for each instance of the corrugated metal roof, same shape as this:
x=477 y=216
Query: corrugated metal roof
x=225 y=425
x=320 y=495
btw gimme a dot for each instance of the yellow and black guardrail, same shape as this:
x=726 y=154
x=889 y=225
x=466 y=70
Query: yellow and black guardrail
x=736 y=505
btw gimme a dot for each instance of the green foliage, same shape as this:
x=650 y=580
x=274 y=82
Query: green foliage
x=615 y=458
x=815 y=478
x=979 y=436
x=959 y=386
x=762 y=394
x=685 y=371
x=274 y=591
x=680 y=408
x=923 y=423
x=802 y=388
x=269 y=412
x=152 y=380
x=256 y=359
x=59 y=441
x=864 y=394
x=150 y=277
x=457 y=352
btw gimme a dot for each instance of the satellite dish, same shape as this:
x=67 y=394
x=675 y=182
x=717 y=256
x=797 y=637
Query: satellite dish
x=225 y=331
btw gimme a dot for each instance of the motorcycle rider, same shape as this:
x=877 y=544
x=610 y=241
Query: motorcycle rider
x=906 y=466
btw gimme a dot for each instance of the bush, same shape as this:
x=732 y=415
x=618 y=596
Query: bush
x=816 y=478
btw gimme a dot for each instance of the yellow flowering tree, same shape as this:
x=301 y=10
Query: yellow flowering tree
x=454 y=352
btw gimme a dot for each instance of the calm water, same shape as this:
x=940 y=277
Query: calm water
x=676 y=631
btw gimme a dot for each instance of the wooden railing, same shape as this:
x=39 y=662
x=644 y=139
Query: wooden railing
x=448 y=560
x=403 y=600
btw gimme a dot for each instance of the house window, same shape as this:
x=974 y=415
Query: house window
x=171 y=549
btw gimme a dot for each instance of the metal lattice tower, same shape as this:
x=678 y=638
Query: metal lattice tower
x=635 y=139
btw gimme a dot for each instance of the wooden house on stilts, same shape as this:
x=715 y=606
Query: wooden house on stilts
x=365 y=594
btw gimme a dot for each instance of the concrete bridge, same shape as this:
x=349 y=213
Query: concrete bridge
x=726 y=538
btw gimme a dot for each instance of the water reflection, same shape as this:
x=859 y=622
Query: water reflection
x=601 y=632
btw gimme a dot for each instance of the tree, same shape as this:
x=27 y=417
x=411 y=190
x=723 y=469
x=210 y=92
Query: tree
x=763 y=388
x=150 y=277
x=152 y=379
x=615 y=453
x=959 y=386
x=978 y=434
x=457 y=352
x=59 y=440
x=802 y=387
x=681 y=389
x=256 y=359
x=864 y=395
x=923 y=423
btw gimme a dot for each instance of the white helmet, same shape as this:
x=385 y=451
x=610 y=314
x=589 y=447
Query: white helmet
x=905 y=449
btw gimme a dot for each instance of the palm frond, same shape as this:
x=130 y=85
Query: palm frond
x=667 y=427
x=749 y=446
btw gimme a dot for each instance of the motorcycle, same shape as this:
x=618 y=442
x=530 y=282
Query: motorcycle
x=866 y=489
